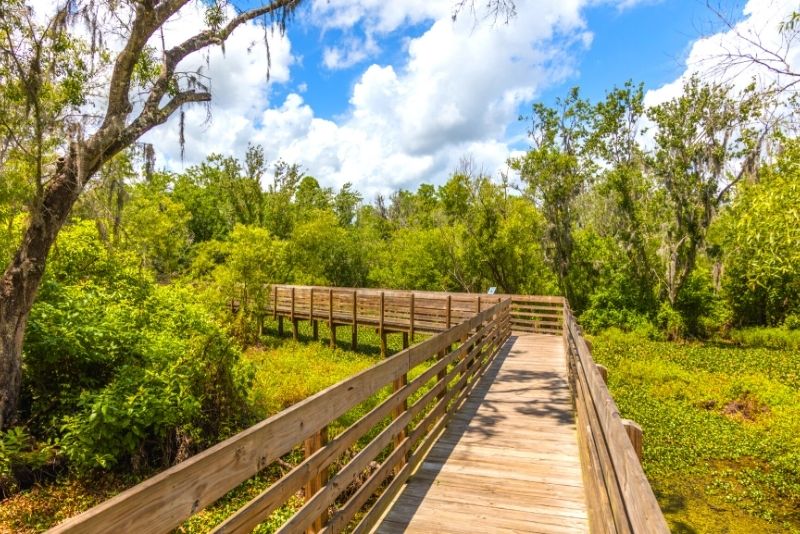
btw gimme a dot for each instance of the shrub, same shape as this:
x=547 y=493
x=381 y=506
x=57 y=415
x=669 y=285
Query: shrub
x=118 y=368
x=792 y=322
x=22 y=459
x=671 y=322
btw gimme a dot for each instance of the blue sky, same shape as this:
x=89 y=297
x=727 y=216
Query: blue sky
x=648 y=43
x=389 y=95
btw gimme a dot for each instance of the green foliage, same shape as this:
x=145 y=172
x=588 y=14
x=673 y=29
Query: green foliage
x=671 y=322
x=20 y=452
x=121 y=369
x=700 y=136
x=414 y=258
x=156 y=231
x=324 y=253
x=762 y=243
x=293 y=371
x=792 y=321
x=555 y=172
x=242 y=270
x=720 y=425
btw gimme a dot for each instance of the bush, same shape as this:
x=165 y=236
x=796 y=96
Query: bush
x=671 y=322
x=119 y=369
x=22 y=459
x=792 y=322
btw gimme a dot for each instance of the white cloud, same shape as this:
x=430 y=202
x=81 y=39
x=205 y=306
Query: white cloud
x=352 y=52
x=456 y=93
x=237 y=78
x=378 y=15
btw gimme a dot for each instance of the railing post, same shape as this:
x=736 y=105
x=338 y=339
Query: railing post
x=311 y=445
x=354 y=334
x=636 y=436
x=294 y=319
x=380 y=326
x=411 y=316
x=448 y=314
x=274 y=302
x=330 y=318
x=449 y=310
x=603 y=372
x=398 y=384
x=442 y=374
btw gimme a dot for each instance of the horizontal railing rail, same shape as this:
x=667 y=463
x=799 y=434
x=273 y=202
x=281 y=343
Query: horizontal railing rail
x=400 y=431
x=619 y=497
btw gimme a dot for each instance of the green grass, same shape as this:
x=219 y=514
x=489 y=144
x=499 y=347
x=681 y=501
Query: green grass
x=722 y=429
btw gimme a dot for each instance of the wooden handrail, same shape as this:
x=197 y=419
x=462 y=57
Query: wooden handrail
x=619 y=497
x=413 y=311
x=164 y=501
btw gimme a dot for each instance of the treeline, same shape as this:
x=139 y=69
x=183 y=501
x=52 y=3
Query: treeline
x=132 y=355
x=681 y=217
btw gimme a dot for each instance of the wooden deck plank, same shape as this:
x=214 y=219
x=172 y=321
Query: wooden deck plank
x=508 y=462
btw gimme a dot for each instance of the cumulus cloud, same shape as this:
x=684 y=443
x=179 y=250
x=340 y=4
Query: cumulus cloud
x=457 y=91
x=237 y=79
x=351 y=52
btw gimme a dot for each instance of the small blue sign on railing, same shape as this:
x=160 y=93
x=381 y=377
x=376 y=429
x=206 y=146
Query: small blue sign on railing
x=492 y=290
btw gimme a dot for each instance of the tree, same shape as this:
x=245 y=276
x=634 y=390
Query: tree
x=346 y=203
x=706 y=143
x=761 y=239
x=624 y=183
x=46 y=74
x=556 y=171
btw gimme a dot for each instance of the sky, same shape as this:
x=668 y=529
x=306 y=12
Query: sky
x=392 y=94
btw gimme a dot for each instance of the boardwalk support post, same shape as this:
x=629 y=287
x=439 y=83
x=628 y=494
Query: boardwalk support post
x=314 y=323
x=294 y=319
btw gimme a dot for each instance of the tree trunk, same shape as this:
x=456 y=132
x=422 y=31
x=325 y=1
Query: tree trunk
x=20 y=282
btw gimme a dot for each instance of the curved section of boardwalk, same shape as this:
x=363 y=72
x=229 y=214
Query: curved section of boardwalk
x=508 y=461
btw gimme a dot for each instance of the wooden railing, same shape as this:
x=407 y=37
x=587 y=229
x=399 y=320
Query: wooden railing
x=619 y=497
x=402 y=428
x=406 y=312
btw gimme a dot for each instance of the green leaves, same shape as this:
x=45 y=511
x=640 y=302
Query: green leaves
x=761 y=236
x=720 y=425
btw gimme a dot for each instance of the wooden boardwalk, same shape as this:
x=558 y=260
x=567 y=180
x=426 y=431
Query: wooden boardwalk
x=482 y=435
x=509 y=460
